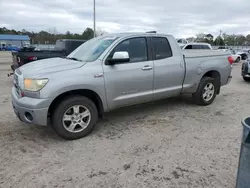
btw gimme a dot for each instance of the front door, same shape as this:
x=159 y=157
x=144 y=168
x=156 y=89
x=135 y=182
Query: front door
x=131 y=82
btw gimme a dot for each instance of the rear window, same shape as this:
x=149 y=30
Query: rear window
x=197 y=47
x=162 y=48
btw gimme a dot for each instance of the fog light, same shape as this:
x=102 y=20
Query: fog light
x=28 y=116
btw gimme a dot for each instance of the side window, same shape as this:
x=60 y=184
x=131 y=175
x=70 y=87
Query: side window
x=206 y=47
x=197 y=47
x=189 y=47
x=162 y=48
x=136 y=48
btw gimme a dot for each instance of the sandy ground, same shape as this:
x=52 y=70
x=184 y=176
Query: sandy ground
x=171 y=143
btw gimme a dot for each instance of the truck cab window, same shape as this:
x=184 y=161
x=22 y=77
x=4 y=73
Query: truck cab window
x=162 y=48
x=136 y=48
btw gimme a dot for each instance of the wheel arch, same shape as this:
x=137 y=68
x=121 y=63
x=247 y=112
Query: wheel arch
x=92 y=95
x=216 y=76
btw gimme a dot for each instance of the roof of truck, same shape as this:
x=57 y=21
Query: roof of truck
x=71 y=40
x=135 y=33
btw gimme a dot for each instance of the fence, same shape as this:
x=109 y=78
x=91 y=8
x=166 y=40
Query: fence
x=236 y=48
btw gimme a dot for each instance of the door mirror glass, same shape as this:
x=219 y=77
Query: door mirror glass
x=119 y=57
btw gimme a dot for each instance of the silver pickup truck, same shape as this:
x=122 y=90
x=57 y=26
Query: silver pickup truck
x=110 y=72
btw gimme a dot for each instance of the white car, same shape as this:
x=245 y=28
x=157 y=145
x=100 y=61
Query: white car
x=236 y=56
x=181 y=41
x=197 y=46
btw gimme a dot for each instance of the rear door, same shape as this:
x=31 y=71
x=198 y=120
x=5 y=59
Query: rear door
x=131 y=82
x=169 y=69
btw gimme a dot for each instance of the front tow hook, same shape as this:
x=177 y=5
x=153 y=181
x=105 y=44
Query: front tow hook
x=10 y=74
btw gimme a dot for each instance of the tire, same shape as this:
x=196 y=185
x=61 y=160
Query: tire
x=237 y=60
x=244 y=57
x=198 y=95
x=61 y=126
x=247 y=79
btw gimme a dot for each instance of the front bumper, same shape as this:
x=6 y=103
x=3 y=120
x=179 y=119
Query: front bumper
x=30 y=110
x=229 y=79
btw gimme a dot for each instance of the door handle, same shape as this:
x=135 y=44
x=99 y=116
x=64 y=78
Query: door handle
x=147 y=67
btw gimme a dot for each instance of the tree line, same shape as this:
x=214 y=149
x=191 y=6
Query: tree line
x=50 y=36
x=222 y=39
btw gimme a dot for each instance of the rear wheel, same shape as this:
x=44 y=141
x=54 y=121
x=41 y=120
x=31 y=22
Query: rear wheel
x=74 y=117
x=206 y=91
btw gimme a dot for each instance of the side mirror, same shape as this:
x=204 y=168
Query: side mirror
x=119 y=57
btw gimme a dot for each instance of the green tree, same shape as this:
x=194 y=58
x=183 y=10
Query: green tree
x=229 y=39
x=219 y=41
x=88 y=33
x=248 y=39
x=50 y=36
x=240 y=40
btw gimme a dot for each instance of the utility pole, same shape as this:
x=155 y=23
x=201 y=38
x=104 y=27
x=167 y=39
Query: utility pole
x=94 y=18
x=234 y=38
x=220 y=32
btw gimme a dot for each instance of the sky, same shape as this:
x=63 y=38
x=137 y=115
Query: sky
x=177 y=17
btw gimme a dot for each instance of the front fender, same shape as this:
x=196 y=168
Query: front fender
x=74 y=80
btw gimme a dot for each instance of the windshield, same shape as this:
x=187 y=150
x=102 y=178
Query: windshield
x=92 y=49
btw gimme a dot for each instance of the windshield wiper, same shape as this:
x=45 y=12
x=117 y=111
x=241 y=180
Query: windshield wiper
x=73 y=58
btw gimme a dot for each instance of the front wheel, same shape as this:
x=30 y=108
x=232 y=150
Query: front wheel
x=206 y=91
x=74 y=117
x=247 y=79
x=237 y=60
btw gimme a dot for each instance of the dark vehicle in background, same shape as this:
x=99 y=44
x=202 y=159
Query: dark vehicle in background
x=243 y=54
x=27 y=49
x=63 y=47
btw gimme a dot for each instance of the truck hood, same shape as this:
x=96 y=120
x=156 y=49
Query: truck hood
x=48 y=66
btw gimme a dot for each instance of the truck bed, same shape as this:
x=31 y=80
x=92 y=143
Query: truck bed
x=204 y=53
x=199 y=62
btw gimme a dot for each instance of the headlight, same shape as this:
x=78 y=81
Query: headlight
x=34 y=84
